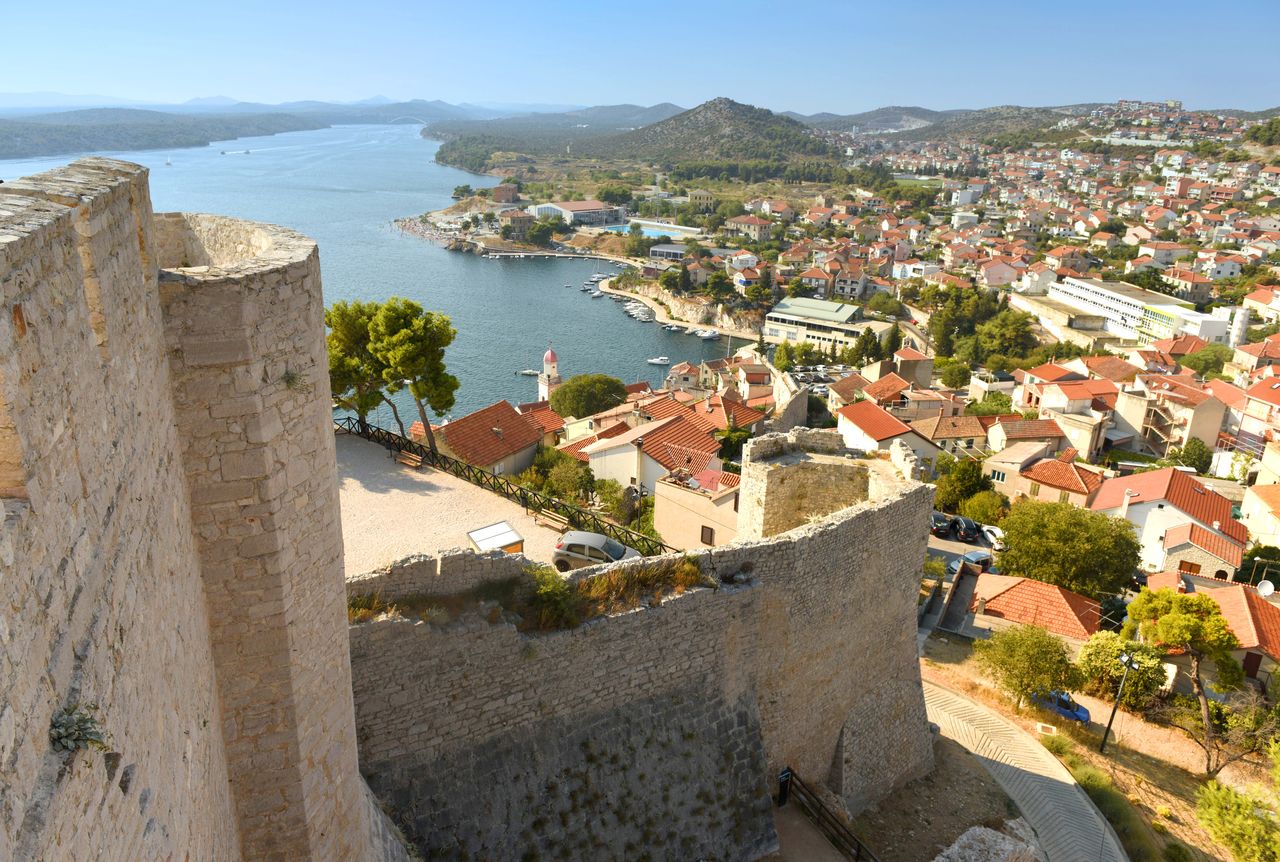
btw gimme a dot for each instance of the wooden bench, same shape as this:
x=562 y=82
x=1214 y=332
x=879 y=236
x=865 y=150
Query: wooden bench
x=548 y=518
x=409 y=459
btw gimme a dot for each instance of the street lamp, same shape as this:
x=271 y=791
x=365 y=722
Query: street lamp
x=1129 y=664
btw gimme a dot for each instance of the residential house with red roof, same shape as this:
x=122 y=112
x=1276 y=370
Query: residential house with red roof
x=696 y=510
x=957 y=435
x=1260 y=512
x=496 y=438
x=1001 y=601
x=1159 y=501
x=866 y=426
x=1253 y=619
x=1261 y=418
x=1008 y=430
x=845 y=391
x=647 y=452
x=548 y=420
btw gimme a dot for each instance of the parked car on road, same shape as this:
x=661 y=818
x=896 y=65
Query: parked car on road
x=967 y=529
x=981 y=559
x=940 y=524
x=577 y=549
x=1063 y=704
x=994 y=537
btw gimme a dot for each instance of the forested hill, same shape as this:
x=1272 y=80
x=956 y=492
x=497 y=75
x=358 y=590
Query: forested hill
x=720 y=130
x=123 y=129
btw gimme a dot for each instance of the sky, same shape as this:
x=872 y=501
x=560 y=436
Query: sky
x=841 y=56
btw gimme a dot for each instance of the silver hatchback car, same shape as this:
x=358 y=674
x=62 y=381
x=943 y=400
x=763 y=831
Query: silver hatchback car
x=577 y=549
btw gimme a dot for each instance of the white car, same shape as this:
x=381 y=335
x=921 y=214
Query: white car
x=994 y=537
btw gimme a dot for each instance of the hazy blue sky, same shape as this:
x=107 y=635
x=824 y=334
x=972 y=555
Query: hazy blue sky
x=839 y=56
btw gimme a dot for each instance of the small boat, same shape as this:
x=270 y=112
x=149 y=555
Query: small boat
x=597 y=295
x=168 y=163
x=659 y=360
x=671 y=327
x=585 y=288
x=568 y=285
x=528 y=372
x=708 y=335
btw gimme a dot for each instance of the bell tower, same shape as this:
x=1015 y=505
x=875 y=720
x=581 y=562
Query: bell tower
x=549 y=379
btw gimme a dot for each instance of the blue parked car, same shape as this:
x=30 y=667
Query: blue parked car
x=1063 y=704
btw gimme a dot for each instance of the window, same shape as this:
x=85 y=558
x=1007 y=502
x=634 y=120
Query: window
x=708 y=536
x=997 y=475
x=735 y=501
x=1188 y=567
x=597 y=555
x=1034 y=491
x=1064 y=497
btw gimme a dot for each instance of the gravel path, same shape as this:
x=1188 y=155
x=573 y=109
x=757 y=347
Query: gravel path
x=390 y=511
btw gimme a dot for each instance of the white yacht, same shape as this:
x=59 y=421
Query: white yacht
x=659 y=360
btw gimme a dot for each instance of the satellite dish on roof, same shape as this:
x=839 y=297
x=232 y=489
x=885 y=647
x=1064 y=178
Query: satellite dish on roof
x=1266 y=588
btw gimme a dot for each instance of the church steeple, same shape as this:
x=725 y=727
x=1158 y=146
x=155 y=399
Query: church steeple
x=549 y=379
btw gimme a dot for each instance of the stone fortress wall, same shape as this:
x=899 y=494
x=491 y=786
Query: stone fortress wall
x=170 y=548
x=662 y=730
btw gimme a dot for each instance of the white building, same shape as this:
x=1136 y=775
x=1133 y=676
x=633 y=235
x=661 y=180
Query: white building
x=817 y=321
x=1141 y=315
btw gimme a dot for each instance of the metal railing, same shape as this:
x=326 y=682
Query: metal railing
x=577 y=517
x=836 y=830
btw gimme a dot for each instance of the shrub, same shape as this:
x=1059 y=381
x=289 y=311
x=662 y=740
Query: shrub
x=553 y=601
x=361 y=609
x=1246 y=826
x=1120 y=813
x=1176 y=852
x=1099 y=663
x=75 y=727
x=1057 y=745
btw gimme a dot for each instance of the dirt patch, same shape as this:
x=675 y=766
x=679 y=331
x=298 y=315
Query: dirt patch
x=924 y=817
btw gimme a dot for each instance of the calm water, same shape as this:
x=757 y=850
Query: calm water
x=344 y=186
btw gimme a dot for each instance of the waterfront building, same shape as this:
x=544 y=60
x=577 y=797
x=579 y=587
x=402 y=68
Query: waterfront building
x=549 y=379
x=580 y=212
x=814 y=320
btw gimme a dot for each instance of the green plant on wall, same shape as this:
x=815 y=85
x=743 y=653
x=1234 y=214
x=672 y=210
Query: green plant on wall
x=75 y=727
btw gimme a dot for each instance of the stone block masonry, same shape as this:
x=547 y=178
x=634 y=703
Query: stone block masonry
x=488 y=743
x=170 y=549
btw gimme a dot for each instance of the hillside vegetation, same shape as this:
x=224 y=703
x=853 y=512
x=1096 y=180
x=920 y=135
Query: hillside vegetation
x=124 y=129
x=986 y=123
x=720 y=131
x=893 y=118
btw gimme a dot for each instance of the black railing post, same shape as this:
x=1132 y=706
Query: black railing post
x=784 y=786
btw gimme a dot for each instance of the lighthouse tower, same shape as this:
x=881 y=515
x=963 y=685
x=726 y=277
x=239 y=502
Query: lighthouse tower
x=549 y=379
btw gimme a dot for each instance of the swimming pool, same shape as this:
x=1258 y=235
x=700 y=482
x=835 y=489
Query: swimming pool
x=676 y=232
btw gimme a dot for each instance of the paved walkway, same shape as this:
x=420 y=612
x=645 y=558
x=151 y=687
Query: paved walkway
x=1068 y=826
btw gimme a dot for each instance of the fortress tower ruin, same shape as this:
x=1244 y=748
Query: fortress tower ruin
x=170 y=549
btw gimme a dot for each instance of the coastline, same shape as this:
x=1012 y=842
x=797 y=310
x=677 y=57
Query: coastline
x=662 y=316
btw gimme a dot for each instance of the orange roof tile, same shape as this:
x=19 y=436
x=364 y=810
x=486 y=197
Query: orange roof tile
x=1064 y=475
x=873 y=420
x=886 y=388
x=1177 y=488
x=1206 y=540
x=490 y=434
x=1029 y=602
x=1254 y=620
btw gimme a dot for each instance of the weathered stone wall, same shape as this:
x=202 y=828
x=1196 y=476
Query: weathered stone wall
x=100 y=585
x=245 y=336
x=455 y=571
x=798 y=477
x=170 y=547
x=472 y=722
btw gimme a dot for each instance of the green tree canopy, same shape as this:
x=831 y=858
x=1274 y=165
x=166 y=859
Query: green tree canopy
x=1195 y=454
x=1244 y=823
x=1026 y=660
x=1059 y=543
x=1101 y=669
x=962 y=481
x=884 y=303
x=956 y=375
x=994 y=404
x=1008 y=333
x=986 y=507
x=782 y=357
x=1208 y=359
x=355 y=374
x=588 y=394
x=410 y=343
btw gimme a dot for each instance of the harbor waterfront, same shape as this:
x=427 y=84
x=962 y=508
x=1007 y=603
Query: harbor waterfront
x=344 y=186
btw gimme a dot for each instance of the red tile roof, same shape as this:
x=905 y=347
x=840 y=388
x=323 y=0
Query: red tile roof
x=1254 y=620
x=540 y=411
x=1051 y=372
x=1030 y=429
x=718 y=410
x=1029 y=602
x=575 y=448
x=886 y=388
x=848 y=387
x=949 y=427
x=1182 y=345
x=490 y=434
x=1206 y=540
x=1065 y=476
x=1178 y=489
x=677 y=441
x=873 y=420
x=1266 y=390
x=1110 y=368
x=909 y=354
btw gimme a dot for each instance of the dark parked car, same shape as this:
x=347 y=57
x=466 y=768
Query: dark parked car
x=1063 y=704
x=967 y=529
x=981 y=559
x=940 y=524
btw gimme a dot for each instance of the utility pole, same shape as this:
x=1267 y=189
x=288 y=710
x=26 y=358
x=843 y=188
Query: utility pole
x=1129 y=664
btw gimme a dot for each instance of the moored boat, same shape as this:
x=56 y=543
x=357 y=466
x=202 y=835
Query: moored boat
x=659 y=360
